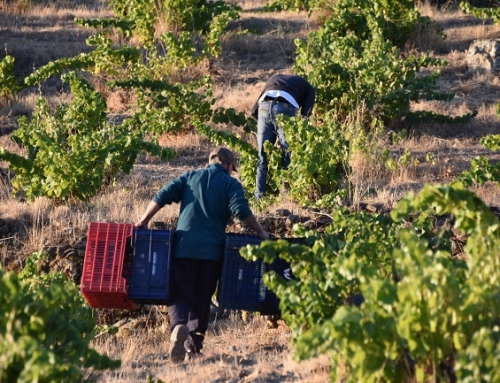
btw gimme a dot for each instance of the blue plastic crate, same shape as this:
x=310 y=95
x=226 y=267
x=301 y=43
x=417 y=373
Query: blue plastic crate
x=271 y=304
x=241 y=286
x=150 y=279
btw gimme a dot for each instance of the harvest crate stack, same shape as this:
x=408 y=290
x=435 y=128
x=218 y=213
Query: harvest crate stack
x=241 y=285
x=125 y=266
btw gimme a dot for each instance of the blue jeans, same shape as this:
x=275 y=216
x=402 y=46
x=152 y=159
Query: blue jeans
x=267 y=130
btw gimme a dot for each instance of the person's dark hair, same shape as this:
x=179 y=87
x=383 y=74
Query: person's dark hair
x=222 y=156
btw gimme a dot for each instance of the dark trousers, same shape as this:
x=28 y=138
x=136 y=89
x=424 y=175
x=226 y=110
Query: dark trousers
x=193 y=283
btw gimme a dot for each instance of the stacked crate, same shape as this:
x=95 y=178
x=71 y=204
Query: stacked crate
x=103 y=282
x=241 y=286
x=125 y=266
x=150 y=278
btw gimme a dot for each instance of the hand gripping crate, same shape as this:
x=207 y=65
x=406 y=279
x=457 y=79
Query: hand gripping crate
x=150 y=279
x=103 y=282
x=241 y=286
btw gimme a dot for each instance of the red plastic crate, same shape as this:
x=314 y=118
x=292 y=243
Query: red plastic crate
x=103 y=283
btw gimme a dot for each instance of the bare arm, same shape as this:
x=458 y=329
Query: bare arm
x=151 y=210
x=252 y=222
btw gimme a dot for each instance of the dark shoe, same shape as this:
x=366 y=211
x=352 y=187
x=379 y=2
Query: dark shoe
x=192 y=352
x=177 y=338
x=192 y=356
x=189 y=344
x=194 y=343
x=258 y=195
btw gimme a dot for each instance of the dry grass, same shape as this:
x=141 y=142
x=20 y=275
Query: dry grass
x=241 y=351
x=236 y=351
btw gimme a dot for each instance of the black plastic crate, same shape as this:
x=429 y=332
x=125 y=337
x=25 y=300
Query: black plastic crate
x=241 y=286
x=150 y=279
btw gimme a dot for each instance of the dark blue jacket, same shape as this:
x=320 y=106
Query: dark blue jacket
x=298 y=87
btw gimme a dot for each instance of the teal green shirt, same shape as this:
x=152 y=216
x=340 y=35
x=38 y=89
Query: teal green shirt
x=208 y=198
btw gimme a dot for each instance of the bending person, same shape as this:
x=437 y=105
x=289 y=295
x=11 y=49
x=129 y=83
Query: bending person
x=282 y=94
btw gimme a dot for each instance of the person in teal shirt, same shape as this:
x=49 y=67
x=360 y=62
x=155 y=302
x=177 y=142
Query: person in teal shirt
x=208 y=198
